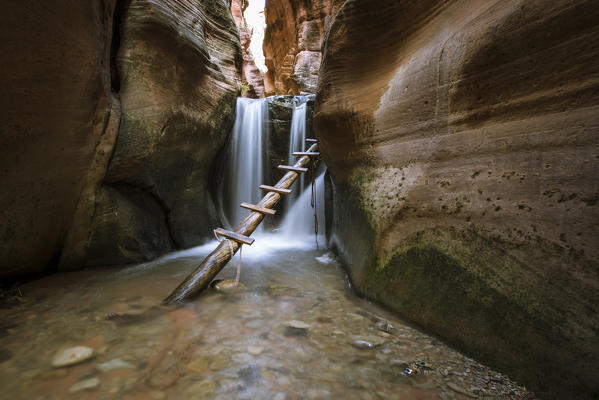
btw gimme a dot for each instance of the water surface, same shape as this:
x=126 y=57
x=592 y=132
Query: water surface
x=223 y=346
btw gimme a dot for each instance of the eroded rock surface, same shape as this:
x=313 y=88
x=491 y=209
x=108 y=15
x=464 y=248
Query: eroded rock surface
x=250 y=74
x=292 y=44
x=463 y=152
x=135 y=95
x=56 y=104
x=178 y=66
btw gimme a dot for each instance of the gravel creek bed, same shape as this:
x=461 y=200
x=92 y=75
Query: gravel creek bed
x=293 y=330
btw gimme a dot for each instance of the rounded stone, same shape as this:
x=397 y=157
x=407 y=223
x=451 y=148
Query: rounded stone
x=297 y=324
x=255 y=350
x=362 y=344
x=86 y=384
x=71 y=356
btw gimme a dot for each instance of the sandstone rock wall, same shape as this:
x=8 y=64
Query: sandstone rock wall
x=56 y=104
x=250 y=74
x=292 y=43
x=178 y=64
x=462 y=144
x=112 y=114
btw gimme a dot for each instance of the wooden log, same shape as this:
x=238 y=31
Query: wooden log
x=306 y=153
x=275 y=189
x=234 y=236
x=201 y=277
x=291 y=168
x=261 y=210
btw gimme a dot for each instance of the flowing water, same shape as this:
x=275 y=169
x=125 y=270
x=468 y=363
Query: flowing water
x=297 y=141
x=299 y=222
x=293 y=330
x=245 y=161
x=249 y=344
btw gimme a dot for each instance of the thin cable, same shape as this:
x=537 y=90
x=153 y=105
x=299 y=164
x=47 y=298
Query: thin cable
x=238 y=265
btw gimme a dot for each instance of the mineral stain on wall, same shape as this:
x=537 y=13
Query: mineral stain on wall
x=461 y=142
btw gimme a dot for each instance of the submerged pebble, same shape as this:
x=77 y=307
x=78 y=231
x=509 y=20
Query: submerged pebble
x=199 y=365
x=385 y=327
x=71 y=356
x=115 y=364
x=362 y=344
x=242 y=358
x=200 y=390
x=296 y=328
x=255 y=350
x=86 y=384
x=227 y=286
x=250 y=374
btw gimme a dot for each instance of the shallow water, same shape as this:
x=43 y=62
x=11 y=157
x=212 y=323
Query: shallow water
x=223 y=346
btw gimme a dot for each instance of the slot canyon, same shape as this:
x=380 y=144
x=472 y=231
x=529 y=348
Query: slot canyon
x=299 y=199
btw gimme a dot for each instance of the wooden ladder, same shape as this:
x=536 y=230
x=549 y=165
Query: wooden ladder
x=201 y=277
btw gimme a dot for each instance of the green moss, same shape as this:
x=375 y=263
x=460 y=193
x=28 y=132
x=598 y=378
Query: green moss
x=471 y=290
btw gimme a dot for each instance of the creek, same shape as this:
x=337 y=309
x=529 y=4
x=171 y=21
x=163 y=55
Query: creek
x=292 y=330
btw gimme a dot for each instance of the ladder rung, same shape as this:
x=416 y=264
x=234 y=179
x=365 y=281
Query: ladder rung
x=306 y=153
x=291 y=168
x=261 y=210
x=274 y=189
x=238 y=237
x=311 y=140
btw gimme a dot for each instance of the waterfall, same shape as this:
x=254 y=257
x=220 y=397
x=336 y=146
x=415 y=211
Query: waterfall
x=299 y=221
x=245 y=158
x=297 y=142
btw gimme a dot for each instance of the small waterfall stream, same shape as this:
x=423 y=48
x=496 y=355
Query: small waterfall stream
x=297 y=140
x=294 y=329
x=245 y=158
x=299 y=221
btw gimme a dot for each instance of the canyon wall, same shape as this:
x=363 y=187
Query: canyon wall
x=250 y=74
x=463 y=150
x=56 y=105
x=112 y=115
x=292 y=44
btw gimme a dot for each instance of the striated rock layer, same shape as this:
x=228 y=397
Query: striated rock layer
x=178 y=66
x=110 y=125
x=56 y=107
x=250 y=74
x=292 y=44
x=463 y=151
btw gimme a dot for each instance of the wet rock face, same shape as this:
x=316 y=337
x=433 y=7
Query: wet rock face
x=129 y=226
x=292 y=44
x=179 y=66
x=143 y=107
x=250 y=74
x=462 y=147
x=55 y=103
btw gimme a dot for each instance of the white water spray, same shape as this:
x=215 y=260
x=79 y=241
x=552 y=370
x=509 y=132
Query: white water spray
x=297 y=142
x=245 y=158
x=299 y=221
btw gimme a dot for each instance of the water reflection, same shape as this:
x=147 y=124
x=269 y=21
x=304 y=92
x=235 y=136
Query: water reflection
x=294 y=332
